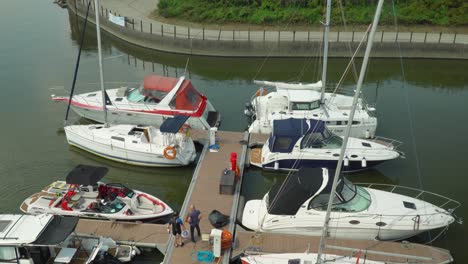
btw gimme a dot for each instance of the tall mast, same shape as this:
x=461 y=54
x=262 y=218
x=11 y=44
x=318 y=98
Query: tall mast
x=348 y=128
x=101 y=77
x=325 y=51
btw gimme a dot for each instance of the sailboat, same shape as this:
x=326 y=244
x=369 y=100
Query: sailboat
x=333 y=193
x=139 y=145
x=309 y=101
x=296 y=143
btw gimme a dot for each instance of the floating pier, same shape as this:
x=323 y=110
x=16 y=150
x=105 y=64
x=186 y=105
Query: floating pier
x=204 y=193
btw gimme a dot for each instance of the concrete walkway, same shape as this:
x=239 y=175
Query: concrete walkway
x=139 y=11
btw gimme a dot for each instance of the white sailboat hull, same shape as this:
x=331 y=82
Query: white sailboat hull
x=104 y=142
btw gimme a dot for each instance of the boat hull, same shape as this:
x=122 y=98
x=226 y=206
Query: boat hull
x=295 y=164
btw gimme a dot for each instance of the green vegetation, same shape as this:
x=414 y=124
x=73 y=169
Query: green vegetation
x=410 y=12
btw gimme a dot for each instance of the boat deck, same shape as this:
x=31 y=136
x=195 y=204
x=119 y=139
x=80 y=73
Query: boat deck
x=251 y=242
x=256 y=156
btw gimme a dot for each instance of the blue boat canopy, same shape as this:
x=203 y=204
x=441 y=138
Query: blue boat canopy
x=173 y=124
x=287 y=132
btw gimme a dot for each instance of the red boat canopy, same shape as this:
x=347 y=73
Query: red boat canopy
x=187 y=98
x=159 y=83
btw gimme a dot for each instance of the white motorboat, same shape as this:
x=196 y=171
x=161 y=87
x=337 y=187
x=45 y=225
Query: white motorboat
x=301 y=258
x=84 y=196
x=41 y=239
x=299 y=206
x=150 y=104
x=167 y=146
x=296 y=143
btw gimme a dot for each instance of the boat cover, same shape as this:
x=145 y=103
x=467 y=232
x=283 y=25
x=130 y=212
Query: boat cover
x=57 y=230
x=159 y=83
x=173 y=124
x=86 y=175
x=287 y=132
x=297 y=188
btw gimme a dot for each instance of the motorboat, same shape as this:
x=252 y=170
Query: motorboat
x=41 y=239
x=151 y=103
x=301 y=258
x=296 y=143
x=139 y=145
x=299 y=100
x=298 y=206
x=83 y=195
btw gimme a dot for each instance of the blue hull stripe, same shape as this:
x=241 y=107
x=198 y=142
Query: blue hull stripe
x=290 y=164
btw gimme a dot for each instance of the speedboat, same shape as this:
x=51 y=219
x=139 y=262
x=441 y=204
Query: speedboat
x=41 y=239
x=301 y=258
x=299 y=206
x=139 y=145
x=83 y=195
x=155 y=100
x=290 y=100
x=296 y=143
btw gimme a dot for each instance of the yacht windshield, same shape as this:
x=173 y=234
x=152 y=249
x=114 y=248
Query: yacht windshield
x=135 y=95
x=324 y=139
x=146 y=95
x=349 y=198
x=112 y=207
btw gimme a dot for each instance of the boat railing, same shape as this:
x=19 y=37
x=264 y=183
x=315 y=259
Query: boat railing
x=436 y=199
x=387 y=141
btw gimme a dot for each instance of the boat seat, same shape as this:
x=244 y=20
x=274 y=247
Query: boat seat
x=145 y=206
x=92 y=195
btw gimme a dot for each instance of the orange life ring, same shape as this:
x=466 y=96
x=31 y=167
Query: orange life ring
x=168 y=150
x=261 y=92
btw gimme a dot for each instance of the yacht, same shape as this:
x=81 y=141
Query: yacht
x=290 y=100
x=299 y=206
x=296 y=143
x=151 y=103
x=138 y=145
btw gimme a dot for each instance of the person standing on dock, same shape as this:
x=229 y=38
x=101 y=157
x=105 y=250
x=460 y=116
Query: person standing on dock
x=193 y=219
x=177 y=225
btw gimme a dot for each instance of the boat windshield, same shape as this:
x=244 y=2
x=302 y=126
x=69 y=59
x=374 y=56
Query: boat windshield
x=350 y=198
x=324 y=139
x=112 y=207
x=145 y=95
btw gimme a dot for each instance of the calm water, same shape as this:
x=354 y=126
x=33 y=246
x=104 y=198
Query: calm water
x=37 y=56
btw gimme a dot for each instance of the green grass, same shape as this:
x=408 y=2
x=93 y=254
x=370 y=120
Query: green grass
x=310 y=12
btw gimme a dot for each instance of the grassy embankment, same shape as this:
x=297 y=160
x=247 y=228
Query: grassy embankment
x=445 y=13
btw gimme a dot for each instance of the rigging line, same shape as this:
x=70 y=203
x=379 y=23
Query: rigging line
x=408 y=107
x=351 y=62
x=77 y=64
x=343 y=18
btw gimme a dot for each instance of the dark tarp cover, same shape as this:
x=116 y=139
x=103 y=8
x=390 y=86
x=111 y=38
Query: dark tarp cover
x=173 y=124
x=287 y=132
x=57 y=230
x=297 y=188
x=86 y=175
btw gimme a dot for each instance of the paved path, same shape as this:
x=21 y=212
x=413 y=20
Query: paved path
x=140 y=10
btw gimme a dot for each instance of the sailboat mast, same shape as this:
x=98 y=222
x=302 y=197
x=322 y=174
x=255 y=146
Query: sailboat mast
x=325 y=51
x=101 y=77
x=348 y=127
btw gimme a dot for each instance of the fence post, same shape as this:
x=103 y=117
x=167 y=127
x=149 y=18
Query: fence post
x=455 y=38
x=233 y=37
x=425 y=37
x=338 y=37
x=279 y=36
x=381 y=37
x=133 y=23
x=203 y=33
x=396 y=37
x=352 y=38
x=248 y=35
x=141 y=25
x=151 y=28
x=107 y=14
x=188 y=32
x=264 y=35
x=102 y=10
x=411 y=37
x=294 y=35
x=152 y=66
x=308 y=35
x=162 y=30
x=440 y=36
x=219 y=34
x=175 y=31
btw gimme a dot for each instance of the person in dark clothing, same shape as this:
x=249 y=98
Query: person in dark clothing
x=176 y=225
x=193 y=219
